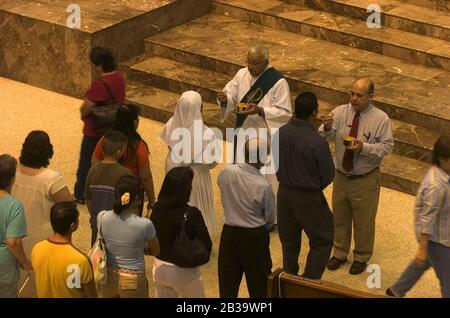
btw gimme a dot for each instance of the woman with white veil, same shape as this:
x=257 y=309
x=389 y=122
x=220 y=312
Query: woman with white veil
x=193 y=144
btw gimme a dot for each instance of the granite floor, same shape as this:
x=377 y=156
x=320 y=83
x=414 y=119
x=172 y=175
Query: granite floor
x=25 y=108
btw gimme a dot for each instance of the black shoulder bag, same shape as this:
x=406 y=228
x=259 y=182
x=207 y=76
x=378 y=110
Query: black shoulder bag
x=103 y=116
x=187 y=253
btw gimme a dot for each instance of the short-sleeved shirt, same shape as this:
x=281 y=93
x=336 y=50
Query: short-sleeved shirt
x=99 y=95
x=125 y=237
x=134 y=163
x=12 y=225
x=247 y=198
x=35 y=194
x=60 y=269
x=100 y=185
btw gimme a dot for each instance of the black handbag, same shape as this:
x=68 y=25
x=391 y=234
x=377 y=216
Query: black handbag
x=103 y=116
x=188 y=253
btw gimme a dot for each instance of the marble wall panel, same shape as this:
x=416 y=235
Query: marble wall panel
x=127 y=38
x=45 y=55
x=42 y=51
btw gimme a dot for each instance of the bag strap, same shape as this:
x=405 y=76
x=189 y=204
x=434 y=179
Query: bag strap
x=185 y=216
x=109 y=90
x=100 y=235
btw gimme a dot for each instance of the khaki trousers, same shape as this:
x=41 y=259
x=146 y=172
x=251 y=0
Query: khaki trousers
x=355 y=202
x=123 y=284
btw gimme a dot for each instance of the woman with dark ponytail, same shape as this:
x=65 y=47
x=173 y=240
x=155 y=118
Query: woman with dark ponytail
x=126 y=236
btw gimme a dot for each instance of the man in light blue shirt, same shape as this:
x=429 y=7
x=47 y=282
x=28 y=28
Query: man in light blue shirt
x=249 y=210
x=356 y=185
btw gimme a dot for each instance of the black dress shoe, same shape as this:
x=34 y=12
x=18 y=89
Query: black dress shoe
x=80 y=201
x=357 y=268
x=389 y=292
x=334 y=263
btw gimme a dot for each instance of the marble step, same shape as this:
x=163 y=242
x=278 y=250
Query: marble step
x=402 y=174
x=159 y=104
x=396 y=14
x=339 y=29
x=410 y=93
x=410 y=140
x=442 y=5
x=398 y=172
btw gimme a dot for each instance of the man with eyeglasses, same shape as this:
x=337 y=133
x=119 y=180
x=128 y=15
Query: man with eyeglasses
x=261 y=97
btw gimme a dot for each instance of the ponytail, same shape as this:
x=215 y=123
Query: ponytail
x=127 y=190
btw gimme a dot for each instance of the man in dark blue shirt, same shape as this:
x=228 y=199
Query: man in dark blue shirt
x=305 y=169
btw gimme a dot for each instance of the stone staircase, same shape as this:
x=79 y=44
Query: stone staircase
x=320 y=46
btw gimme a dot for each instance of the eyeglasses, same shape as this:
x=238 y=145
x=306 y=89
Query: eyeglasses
x=255 y=63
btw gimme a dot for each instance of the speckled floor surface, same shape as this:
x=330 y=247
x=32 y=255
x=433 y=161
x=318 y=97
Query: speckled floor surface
x=24 y=108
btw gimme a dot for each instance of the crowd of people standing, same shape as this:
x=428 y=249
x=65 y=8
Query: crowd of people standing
x=38 y=214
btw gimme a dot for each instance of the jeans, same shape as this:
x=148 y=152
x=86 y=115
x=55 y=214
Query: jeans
x=409 y=278
x=87 y=149
x=439 y=259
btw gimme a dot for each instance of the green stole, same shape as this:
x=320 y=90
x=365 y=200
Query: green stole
x=257 y=92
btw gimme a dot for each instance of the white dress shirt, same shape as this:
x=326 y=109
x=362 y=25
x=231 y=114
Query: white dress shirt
x=374 y=130
x=247 y=198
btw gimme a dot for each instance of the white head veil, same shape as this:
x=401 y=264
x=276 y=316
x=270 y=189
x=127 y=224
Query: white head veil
x=188 y=116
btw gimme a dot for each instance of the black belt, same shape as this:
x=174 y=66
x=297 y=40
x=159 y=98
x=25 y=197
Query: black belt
x=356 y=176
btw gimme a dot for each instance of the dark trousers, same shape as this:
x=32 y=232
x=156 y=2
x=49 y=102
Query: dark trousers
x=244 y=250
x=87 y=149
x=308 y=211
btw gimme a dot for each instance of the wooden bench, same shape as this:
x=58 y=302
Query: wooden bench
x=283 y=285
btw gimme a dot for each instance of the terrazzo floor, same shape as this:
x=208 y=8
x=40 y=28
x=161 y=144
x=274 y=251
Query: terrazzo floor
x=25 y=108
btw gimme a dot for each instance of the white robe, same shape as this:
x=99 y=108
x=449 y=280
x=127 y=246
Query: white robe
x=276 y=105
x=188 y=116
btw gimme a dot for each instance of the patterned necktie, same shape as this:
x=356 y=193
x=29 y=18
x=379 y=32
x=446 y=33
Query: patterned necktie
x=347 y=162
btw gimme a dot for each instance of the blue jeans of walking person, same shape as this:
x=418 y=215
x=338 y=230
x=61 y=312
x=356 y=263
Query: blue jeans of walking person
x=87 y=149
x=439 y=259
x=409 y=278
x=439 y=256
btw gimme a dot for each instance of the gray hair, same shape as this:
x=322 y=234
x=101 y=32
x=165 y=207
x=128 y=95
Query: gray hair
x=8 y=166
x=261 y=49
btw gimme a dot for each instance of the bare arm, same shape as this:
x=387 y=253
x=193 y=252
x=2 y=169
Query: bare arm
x=90 y=289
x=15 y=246
x=86 y=107
x=62 y=195
x=152 y=247
x=146 y=178
x=422 y=253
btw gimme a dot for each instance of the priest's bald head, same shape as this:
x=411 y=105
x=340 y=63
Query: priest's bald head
x=257 y=59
